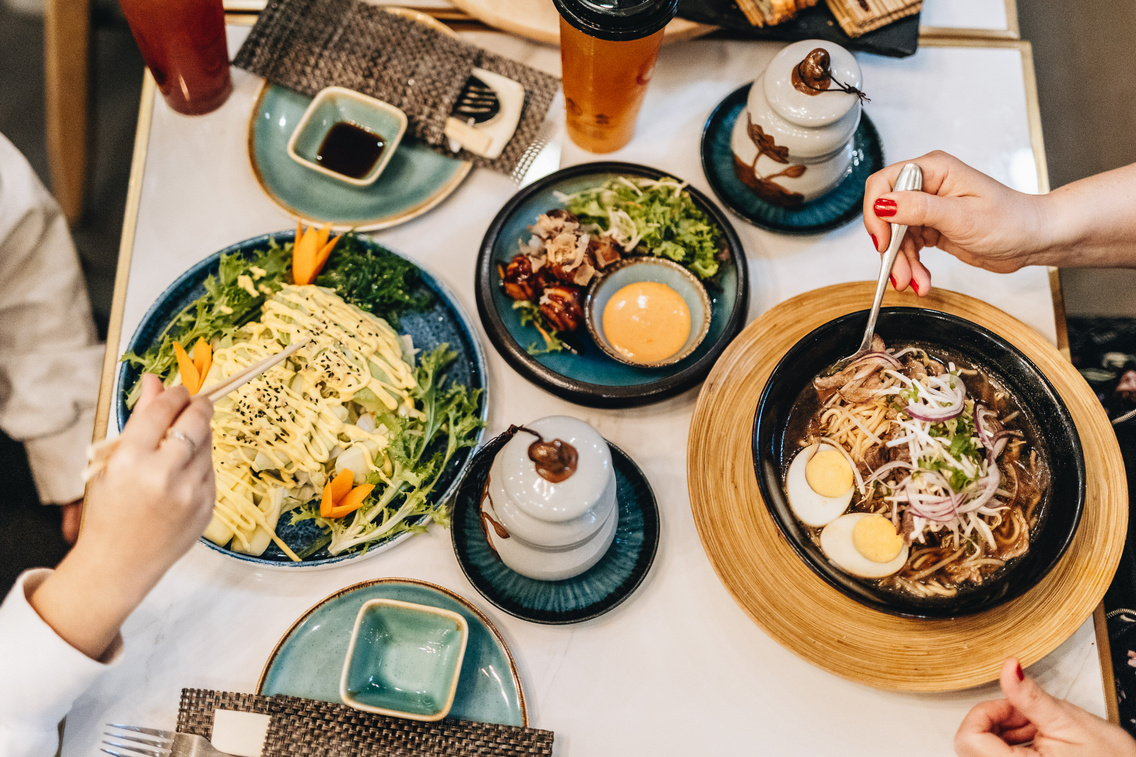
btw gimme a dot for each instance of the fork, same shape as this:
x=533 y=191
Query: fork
x=542 y=156
x=134 y=741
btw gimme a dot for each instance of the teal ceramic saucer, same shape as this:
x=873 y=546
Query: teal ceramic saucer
x=415 y=180
x=592 y=593
x=308 y=661
x=589 y=376
x=840 y=206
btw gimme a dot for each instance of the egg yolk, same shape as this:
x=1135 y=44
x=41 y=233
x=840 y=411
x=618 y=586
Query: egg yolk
x=875 y=538
x=828 y=473
x=646 y=321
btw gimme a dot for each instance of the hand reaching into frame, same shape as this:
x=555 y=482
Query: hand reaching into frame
x=986 y=224
x=960 y=210
x=142 y=513
x=1031 y=722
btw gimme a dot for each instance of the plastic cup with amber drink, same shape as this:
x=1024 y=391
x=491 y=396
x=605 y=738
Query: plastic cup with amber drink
x=608 y=50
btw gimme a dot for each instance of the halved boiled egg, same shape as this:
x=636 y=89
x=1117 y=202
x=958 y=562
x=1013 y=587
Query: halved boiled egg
x=864 y=545
x=819 y=484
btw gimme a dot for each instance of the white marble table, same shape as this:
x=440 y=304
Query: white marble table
x=678 y=669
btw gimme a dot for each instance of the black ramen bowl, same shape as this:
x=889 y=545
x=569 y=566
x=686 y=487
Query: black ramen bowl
x=1048 y=427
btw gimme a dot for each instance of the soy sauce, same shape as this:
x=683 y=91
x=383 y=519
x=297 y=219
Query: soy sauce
x=350 y=150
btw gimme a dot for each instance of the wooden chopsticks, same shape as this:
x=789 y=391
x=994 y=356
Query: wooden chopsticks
x=99 y=453
x=254 y=370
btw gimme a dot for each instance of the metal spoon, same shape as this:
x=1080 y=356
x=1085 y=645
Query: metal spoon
x=910 y=179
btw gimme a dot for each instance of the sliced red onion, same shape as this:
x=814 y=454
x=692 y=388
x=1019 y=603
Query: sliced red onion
x=886 y=357
x=990 y=483
x=984 y=435
x=887 y=468
x=938 y=509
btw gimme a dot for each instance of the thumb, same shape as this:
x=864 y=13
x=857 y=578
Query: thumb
x=919 y=209
x=1032 y=701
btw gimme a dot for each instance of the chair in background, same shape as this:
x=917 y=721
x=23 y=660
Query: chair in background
x=67 y=35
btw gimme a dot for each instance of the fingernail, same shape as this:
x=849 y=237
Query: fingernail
x=876 y=244
x=893 y=286
x=915 y=286
x=884 y=207
x=1018 y=671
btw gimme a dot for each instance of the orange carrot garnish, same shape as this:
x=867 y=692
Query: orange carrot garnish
x=336 y=491
x=310 y=252
x=202 y=360
x=190 y=376
x=350 y=503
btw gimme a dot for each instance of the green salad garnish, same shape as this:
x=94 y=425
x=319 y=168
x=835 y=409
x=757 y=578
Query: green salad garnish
x=652 y=217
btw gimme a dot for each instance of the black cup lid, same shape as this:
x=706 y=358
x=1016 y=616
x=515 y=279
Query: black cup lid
x=617 y=20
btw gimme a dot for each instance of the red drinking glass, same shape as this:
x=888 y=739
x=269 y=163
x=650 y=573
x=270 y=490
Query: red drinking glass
x=183 y=44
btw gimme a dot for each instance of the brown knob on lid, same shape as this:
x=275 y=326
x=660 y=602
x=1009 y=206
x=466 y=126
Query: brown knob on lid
x=813 y=75
x=555 y=460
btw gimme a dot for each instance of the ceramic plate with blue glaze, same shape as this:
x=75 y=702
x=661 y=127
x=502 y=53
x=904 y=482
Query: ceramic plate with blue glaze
x=838 y=207
x=416 y=179
x=445 y=321
x=592 y=593
x=308 y=661
x=590 y=377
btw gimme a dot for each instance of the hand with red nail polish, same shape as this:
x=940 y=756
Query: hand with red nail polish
x=961 y=211
x=1031 y=722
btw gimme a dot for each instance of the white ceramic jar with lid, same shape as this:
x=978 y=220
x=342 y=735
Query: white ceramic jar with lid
x=793 y=141
x=550 y=500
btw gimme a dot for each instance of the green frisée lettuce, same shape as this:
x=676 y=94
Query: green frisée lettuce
x=652 y=217
x=419 y=453
x=232 y=298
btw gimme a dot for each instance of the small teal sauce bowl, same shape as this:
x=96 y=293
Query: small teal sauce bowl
x=340 y=105
x=404 y=660
x=632 y=270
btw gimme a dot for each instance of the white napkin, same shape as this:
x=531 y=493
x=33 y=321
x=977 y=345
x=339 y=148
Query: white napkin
x=239 y=733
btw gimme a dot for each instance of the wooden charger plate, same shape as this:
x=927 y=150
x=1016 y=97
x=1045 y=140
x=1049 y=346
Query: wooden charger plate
x=832 y=631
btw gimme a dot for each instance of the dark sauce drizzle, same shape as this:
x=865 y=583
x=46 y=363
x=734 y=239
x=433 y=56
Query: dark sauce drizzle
x=555 y=461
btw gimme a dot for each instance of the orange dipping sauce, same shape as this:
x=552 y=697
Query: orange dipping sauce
x=646 y=321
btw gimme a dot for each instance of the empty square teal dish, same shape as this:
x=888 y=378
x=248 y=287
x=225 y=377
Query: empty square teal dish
x=338 y=105
x=404 y=660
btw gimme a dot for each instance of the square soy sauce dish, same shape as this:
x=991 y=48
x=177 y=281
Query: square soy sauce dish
x=404 y=660
x=347 y=136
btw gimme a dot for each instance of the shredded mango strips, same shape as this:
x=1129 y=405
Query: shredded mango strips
x=281 y=437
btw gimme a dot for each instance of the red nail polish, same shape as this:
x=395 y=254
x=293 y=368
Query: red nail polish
x=893 y=285
x=915 y=286
x=884 y=207
x=1019 y=673
x=876 y=244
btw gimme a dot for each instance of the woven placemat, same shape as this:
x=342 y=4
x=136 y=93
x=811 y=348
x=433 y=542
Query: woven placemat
x=307 y=45
x=307 y=728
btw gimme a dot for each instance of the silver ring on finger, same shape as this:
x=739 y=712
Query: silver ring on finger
x=174 y=433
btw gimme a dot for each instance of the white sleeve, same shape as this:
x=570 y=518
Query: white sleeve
x=40 y=674
x=50 y=361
